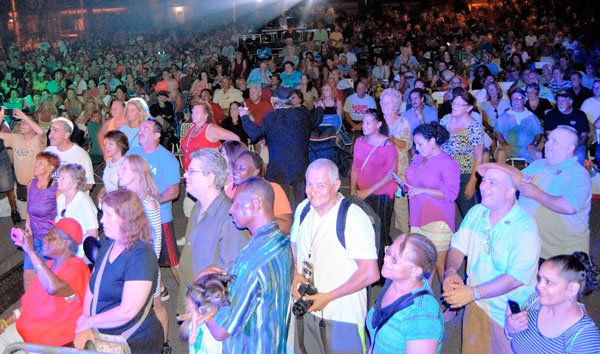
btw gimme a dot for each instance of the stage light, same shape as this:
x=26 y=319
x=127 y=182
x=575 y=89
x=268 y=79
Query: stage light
x=178 y=9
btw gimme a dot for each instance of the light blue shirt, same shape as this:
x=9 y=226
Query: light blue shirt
x=519 y=135
x=495 y=113
x=291 y=80
x=256 y=77
x=132 y=135
x=561 y=233
x=429 y=114
x=511 y=246
x=165 y=170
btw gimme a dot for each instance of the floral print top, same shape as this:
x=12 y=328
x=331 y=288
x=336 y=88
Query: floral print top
x=460 y=146
x=400 y=134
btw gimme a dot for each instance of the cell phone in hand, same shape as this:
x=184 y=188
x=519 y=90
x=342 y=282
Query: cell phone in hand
x=514 y=307
x=398 y=180
x=17 y=235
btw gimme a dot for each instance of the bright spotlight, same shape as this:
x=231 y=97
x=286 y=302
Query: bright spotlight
x=178 y=9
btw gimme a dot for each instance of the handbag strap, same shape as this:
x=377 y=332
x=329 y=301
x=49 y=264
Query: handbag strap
x=372 y=151
x=98 y=280
x=127 y=333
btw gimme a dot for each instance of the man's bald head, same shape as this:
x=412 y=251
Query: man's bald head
x=568 y=135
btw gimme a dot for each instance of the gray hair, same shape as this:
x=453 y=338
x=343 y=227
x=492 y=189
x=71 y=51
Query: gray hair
x=332 y=169
x=395 y=95
x=213 y=162
x=76 y=172
x=67 y=124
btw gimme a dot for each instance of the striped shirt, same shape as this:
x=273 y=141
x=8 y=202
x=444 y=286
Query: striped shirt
x=258 y=315
x=582 y=337
x=155 y=224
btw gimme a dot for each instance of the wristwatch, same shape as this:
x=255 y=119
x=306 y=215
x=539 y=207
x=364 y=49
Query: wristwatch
x=476 y=294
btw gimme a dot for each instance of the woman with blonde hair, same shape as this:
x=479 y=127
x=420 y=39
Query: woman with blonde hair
x=74 y=202
x=136 y=111
x=135 y=176
x=400 y=134
x=123 y=278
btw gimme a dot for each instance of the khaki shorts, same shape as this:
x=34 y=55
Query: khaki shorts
x=438 y=232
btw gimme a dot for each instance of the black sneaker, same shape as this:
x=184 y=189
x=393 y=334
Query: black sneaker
x=167 y=349
x=16 y=217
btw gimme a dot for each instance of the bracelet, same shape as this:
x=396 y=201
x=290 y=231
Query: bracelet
x=38 y=267
x=4 y=324
x=17 y=313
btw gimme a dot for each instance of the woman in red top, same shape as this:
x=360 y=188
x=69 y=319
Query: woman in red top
x=204 y=133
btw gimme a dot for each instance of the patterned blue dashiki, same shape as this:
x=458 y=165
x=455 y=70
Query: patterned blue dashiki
x=258 y=315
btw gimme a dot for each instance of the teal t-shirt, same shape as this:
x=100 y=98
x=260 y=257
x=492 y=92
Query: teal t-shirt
x=421 y=320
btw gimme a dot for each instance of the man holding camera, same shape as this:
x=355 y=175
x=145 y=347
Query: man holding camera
x=339 y=274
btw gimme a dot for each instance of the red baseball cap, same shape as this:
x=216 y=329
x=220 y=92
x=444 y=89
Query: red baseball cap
x=71 y=227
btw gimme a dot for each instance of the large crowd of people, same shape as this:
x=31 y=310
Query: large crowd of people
x=490 y=111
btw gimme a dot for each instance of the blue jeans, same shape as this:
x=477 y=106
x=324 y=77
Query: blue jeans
x=581 y=154
x=37 y=246
x=464 y=204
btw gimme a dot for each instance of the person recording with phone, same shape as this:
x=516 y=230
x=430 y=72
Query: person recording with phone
x=26 y=143
x=552 y=318
x=433 y=180
x=52 y=304
x=375 y=156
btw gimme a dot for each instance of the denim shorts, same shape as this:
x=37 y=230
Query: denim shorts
x=7 y=177
x=37 y=245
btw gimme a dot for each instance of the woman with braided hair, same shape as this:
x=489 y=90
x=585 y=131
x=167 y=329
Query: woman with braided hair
x=552 y=318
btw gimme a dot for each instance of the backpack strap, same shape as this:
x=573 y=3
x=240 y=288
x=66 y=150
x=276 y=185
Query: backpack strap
x=340 y=225
x=304 y=212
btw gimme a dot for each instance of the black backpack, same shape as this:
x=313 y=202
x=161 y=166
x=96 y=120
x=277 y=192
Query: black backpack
x=340 y=225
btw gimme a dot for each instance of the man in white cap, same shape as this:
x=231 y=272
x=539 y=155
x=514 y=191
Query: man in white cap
x=502 y=243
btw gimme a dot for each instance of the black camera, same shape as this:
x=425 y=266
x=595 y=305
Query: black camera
x=301 y=306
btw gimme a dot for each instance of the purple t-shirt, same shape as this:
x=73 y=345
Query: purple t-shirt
x=438 y=172
x=41 y=208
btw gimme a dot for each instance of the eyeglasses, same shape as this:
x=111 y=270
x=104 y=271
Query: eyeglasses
x=190 y=171
x=459 y=104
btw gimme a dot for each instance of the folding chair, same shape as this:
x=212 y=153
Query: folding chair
x=176 y=148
